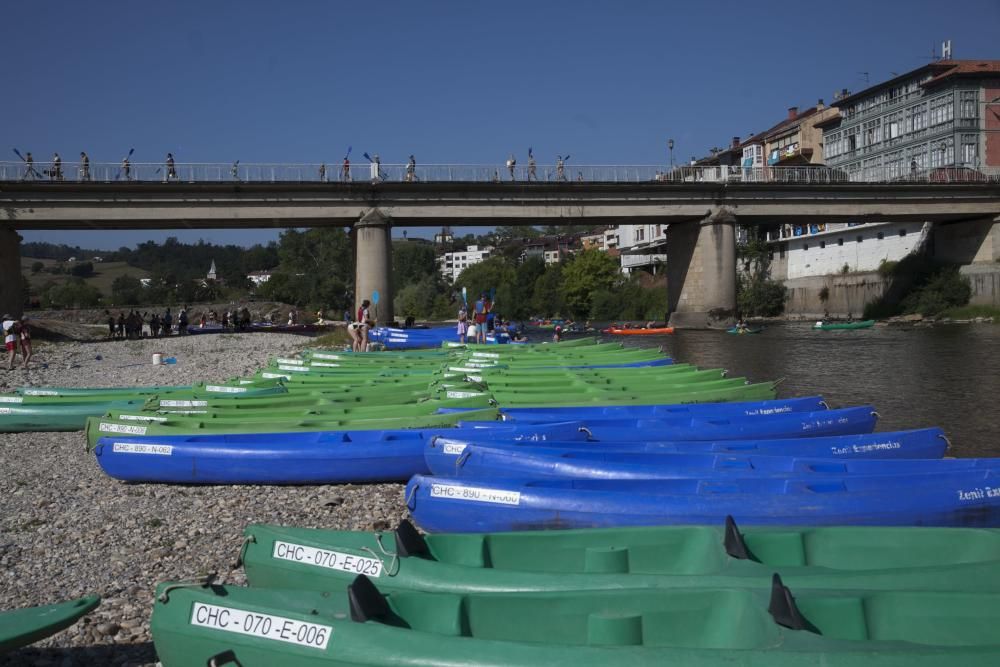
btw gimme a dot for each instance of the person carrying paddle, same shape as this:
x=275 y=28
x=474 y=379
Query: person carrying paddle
x=127 y=168
x=345 y=170
x=560 y=168
x=29 y=167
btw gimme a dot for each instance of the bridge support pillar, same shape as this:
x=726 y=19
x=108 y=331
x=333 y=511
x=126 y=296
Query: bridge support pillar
x=701 y=271
x=11 y=298
x=373 y=264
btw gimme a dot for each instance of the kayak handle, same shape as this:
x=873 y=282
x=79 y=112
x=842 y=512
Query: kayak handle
x=876 y=415
x=411 y=497
x=225 y=658
x=826 y=406
x=947 y=442
x=584 y=429
x=202 y=582
x=247 y=541
x=392 y=567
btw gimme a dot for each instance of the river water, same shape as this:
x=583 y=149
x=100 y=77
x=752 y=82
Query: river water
x=947 y=376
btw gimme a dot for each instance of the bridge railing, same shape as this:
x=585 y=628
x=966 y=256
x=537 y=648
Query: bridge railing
x=400 y=173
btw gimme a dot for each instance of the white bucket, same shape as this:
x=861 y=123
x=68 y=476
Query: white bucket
x=157 y=358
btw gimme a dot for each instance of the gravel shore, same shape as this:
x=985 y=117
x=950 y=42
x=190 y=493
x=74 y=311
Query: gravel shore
x=68 y=530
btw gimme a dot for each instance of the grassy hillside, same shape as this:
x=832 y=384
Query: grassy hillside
x=104 y=273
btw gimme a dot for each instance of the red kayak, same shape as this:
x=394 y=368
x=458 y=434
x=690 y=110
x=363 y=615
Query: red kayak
x=657 y=331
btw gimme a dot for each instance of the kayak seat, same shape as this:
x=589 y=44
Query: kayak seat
x=368 y=604
x=783 y=609
x=606 y=560
x=409 y=542
x=734 y=543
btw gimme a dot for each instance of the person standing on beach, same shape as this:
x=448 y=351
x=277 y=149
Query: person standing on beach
x=10 y=336
x=182 y=322
x=84 y=166
x=166 y=322
x=25 y=339
x=463 y=324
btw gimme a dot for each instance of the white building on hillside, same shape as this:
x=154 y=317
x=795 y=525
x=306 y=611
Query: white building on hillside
x=258 y=278
x=642 y=247
x=451 y=264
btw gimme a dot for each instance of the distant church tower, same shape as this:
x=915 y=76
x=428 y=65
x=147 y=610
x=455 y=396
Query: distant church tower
x=211 y=271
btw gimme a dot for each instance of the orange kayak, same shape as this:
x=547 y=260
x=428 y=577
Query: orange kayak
x=659 y=331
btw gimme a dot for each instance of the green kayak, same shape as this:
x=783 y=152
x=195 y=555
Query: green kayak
x=234 y=416
x=693 y=627
x=249 y=387
x=20 y=627
x=942 y=559
x=692 y=394
x=833 y=326
x=24 y=417
x=98 y=427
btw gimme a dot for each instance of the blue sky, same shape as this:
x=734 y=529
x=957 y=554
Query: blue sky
x=451 y=82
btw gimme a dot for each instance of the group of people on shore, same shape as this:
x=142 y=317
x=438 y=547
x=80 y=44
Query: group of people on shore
x=483 y=321
x=359 y=328
x=16 y=338
x=138 y=325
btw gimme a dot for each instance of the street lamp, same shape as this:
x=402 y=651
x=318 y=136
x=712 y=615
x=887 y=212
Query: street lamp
x=670 y=147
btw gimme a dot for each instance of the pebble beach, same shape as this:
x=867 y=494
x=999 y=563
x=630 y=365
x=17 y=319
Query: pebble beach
x=67 y=530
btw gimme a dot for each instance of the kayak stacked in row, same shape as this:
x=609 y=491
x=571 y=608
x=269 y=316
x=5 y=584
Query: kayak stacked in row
x=693 y=595
x=351 y=417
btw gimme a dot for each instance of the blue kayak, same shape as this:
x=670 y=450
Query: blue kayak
x=966 y=498
x=488 y=462
x=320 y=457
x=738 y=408
x=926 y=443
x=844 y=421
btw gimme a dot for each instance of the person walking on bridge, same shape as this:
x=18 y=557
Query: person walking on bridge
x=532 y=174
x=171 y=171
x=127 y=168
x=29 y=167
x=322 y=172
x=84 y=166
x=411 y=169
x=560 y=168
x=511 y=163
x=345 y=170
x=55 y=172
x=376 y=168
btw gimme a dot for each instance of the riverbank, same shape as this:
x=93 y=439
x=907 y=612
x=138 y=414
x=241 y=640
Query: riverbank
x=68 y=530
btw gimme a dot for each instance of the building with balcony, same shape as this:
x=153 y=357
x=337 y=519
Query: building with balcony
x=642 y=247
x=942 y=118
x=451 y=264
x=798 y=140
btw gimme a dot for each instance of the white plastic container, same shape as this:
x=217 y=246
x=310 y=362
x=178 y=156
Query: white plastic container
x=157 y=358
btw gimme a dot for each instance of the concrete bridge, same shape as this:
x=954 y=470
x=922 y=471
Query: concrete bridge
x=701 y=206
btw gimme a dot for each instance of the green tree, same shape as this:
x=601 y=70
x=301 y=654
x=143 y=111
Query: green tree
x=74 y=293
x=412 y=262
x=756 y=293
x=493 y=273
x=82 y=269
x=588 y=272
x=127 y=290
x=36 y=267
x=547 y=299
